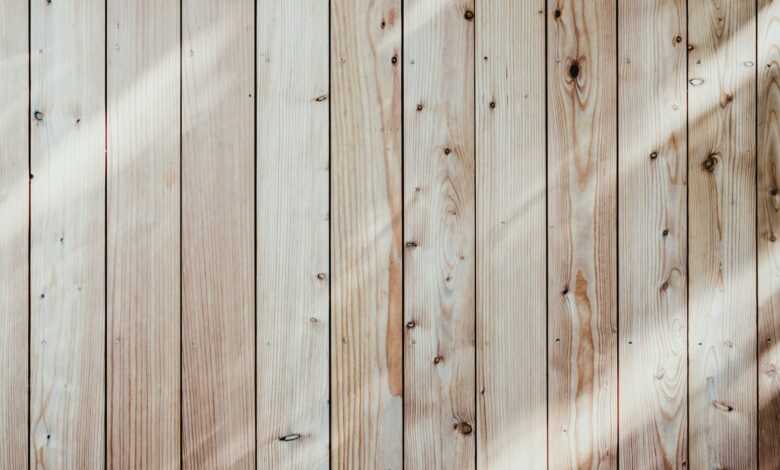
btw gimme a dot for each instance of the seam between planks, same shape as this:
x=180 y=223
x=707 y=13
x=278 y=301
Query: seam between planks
x=29 y=229
x=755 y=222
x=254 y=213
x=617 y=230
x=687 y=247
x=330 y=225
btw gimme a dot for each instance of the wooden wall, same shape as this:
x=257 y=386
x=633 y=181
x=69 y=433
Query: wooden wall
x=419 y=234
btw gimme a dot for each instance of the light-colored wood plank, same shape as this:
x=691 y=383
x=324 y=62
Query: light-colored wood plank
x=768 y=152
x=439 y=309
x=292 y=234
x=218 y=292
x=652 y=233
x=144 y=310
x=511 y=251
x=721 y=221
x=582 y=231
x=67 y=273
x=366 y=200
x=14 y=206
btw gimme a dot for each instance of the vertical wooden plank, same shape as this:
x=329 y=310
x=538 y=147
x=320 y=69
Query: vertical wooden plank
x=768 y=151
x=292 y=238
x=14 y=206
x=722 y=211
x=67 y=274
x=218 y=317
x=366 y=200
x=511 y=235
x=144 y=311
x=439 y=231
x=582 y=177
x=652 y=233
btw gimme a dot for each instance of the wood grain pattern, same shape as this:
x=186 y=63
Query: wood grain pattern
x=511 y=251
x=652 y=233
x=721 y=220
x=582 y=234
x=67 y=273
x=218 y=292
x=439 y=230
x=366 y=200
x=14 y=206
x=144 y=190
x=292 y=241
x=768 y=191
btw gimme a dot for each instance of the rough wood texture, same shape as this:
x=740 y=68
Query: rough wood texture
x=439 y=309
x=721 y=220
x=511 y=251
x=652 y=233
x=582 y=231
x=218 y=317
x=144 y=311
x=768 y=151
x=14 y=204
x=67 y=160
x=366 y=200
x=292 y=240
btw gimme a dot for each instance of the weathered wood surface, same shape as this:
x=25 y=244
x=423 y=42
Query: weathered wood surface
x=652 y=233
x=292 y=234
x=144 y=191
x=768 y=194
x=582 y=231
x=218 y=267
x=389 y=234
x=722 y=224
x=439 y=231
x=366 y=360
x=68 y=210
x=511 y=235
x=14 y=234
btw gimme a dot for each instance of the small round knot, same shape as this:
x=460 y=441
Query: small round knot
x=463 y=428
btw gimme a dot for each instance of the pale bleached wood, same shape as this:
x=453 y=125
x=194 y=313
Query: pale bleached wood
x=366 y=200
x=722 y=224
x=511 y=251
x=144 y=311
x=14 y=204
x=218 y=292
x=292 y=234
x=582 y=290
x=67 y=273
x=768 y=151
x=439 y=359
x=652 y=233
